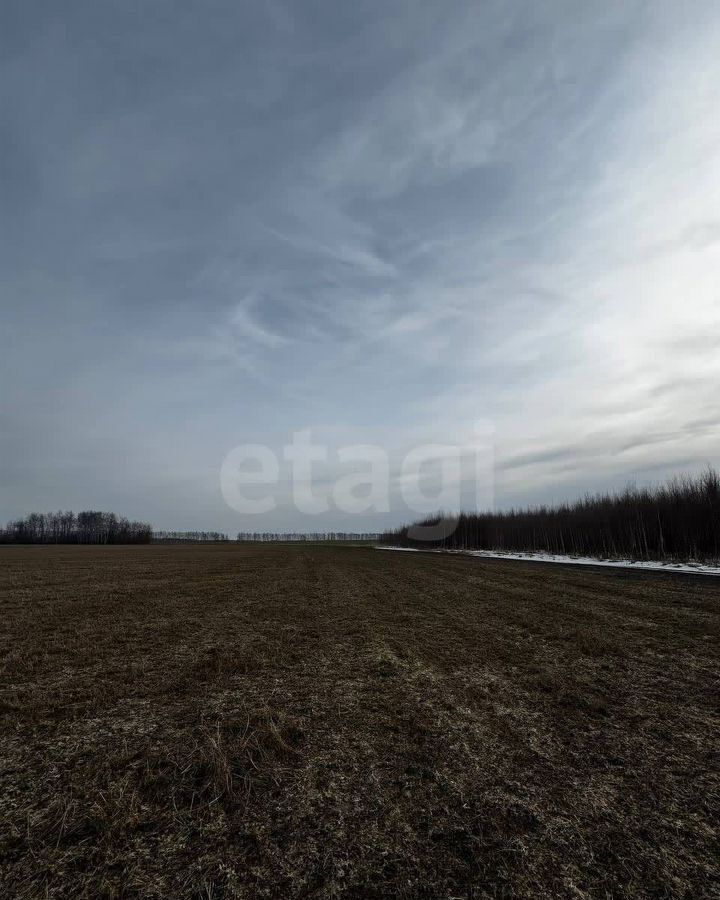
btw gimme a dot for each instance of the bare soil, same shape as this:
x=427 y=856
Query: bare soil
x=315 y=721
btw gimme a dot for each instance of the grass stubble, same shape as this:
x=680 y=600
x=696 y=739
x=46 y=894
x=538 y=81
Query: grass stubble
x=313 y=721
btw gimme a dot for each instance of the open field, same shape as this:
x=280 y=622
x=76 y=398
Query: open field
x=290 y=721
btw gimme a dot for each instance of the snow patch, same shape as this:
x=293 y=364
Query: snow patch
x=688 y=568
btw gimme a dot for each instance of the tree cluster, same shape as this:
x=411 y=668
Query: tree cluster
x=88 y=527
x=679 y=520
x=167 y=537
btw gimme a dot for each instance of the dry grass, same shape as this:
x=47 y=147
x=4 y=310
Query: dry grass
x=293 y=721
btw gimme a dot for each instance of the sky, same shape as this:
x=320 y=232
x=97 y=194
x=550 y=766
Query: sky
x=388 y=222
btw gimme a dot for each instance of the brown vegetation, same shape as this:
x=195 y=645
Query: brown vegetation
x=319 y=721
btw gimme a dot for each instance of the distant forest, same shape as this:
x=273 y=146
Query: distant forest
x=88 y=527
x=185 y=537
x=679 y=520
x=250 y=536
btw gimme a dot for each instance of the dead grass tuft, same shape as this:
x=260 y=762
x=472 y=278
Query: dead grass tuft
x=293 y=722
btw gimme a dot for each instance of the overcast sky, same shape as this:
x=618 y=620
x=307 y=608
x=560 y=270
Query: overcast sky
x=385 y=221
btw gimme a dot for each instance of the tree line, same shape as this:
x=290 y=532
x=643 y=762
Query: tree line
x=87 y=527
x=188 y=536
x=679 y=520
x=251 y=536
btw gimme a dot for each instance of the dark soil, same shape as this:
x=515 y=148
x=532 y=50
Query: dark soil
x=314 y=721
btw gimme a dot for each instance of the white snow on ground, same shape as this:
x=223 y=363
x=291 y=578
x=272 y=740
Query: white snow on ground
x=658 y=566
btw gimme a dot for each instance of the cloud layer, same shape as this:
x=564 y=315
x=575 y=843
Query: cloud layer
x=387 y=222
